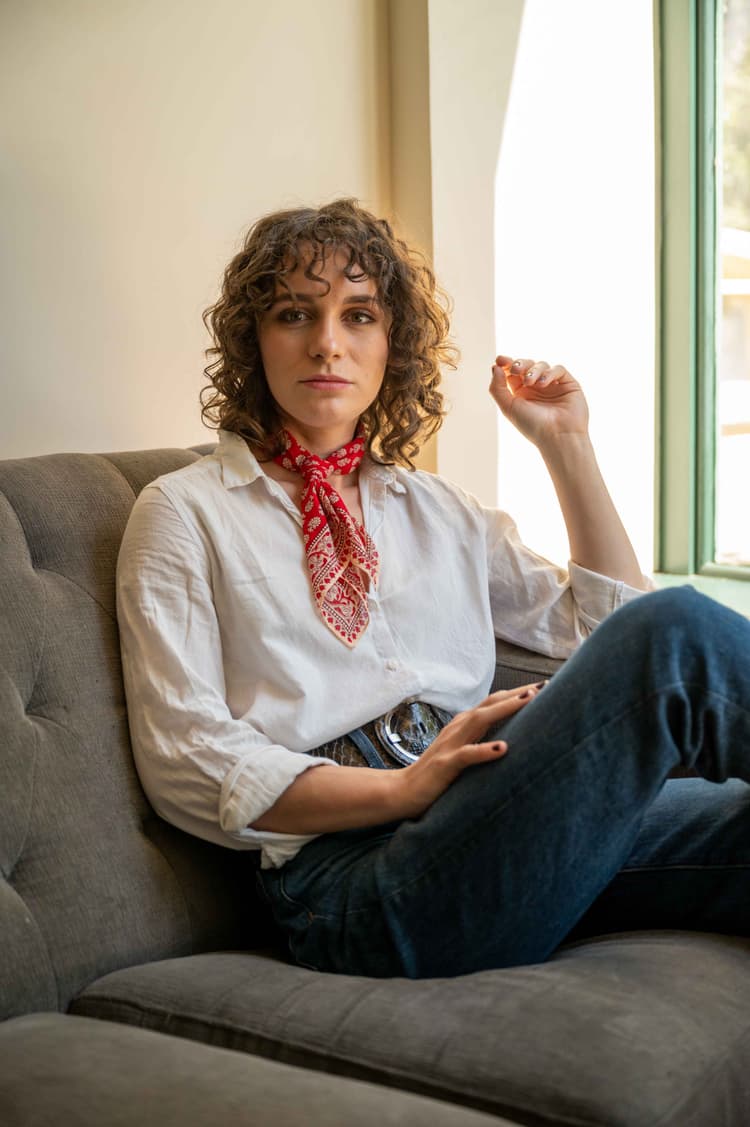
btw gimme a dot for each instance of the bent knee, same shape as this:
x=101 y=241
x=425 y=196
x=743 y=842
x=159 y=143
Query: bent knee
x=681 y=607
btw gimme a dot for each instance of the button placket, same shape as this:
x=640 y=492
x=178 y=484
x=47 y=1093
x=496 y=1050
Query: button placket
x=374 y=491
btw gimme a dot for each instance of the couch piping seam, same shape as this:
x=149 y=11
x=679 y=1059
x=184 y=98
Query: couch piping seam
x=79 y=586
x=117 y=470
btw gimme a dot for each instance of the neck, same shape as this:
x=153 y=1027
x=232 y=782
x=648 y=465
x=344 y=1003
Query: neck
x=321 y=443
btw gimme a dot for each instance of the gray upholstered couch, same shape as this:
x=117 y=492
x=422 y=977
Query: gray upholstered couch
x=141 y=983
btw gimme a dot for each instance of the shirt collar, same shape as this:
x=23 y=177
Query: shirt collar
x=239 y=466
x=389 y=475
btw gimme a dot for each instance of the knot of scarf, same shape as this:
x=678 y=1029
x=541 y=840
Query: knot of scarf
x=341 y=556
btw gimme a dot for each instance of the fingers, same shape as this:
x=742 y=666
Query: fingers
x=499 y=706
x=472 y=724
x=470 y=754
x=455 y=748
x=439 y=766
x=500 y=390
x=509 y=696
x=529 y=373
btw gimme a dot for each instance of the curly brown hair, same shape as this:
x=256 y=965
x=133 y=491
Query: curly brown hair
x=409 y=406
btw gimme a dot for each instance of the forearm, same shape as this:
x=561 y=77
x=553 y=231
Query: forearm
x=329 y=799
x=598 y=540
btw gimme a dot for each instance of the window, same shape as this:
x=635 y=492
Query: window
x=704 y=416
x=732 y=481
x=574 y=249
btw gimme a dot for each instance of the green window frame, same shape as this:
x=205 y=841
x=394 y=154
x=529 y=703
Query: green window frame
x=686 y=37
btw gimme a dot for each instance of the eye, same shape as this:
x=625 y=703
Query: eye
x=361 y=317
x=292 y=316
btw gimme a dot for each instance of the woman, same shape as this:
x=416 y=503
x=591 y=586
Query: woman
x=302 y=616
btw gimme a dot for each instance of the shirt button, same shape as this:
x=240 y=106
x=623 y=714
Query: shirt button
x=391 y=665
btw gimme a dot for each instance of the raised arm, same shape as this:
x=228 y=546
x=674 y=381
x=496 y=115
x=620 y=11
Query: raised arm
x=549 y=408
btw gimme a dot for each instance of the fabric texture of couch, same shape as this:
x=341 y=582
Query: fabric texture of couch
x=142 y=982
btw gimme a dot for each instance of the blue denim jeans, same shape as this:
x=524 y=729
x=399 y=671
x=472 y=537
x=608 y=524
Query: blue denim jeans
x=575 y=831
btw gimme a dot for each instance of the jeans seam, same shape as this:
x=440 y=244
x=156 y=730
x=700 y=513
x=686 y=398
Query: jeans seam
x=314 y=915
x=291 y=900
x=677 y=866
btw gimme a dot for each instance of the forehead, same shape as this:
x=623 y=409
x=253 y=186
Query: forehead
x=315 y=266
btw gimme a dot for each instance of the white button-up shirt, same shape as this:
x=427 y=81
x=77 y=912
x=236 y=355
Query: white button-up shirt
x=230 y=673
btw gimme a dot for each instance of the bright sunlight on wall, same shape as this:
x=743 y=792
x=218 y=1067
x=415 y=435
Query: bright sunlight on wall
x=575 y=248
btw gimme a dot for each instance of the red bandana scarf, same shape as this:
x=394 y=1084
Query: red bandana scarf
x=340 y=553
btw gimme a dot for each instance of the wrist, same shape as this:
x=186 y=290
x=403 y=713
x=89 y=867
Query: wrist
x=570 y=449
x=397 y=797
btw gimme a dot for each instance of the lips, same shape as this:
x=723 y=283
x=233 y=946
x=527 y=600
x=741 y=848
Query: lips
x=323 y=381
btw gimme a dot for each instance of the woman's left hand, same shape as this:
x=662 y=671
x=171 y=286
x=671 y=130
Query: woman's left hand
x=543 y=402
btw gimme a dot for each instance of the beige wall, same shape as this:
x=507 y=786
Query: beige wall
x=141 y=137
x=411 y=154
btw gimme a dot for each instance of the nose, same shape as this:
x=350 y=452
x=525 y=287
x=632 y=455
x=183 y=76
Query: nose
x=325 y=340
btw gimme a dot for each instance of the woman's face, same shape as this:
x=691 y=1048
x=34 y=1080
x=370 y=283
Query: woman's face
x=324 y=354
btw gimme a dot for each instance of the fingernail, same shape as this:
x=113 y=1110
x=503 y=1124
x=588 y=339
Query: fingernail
x=541 y=684
x=523 y=696
x=499 y=747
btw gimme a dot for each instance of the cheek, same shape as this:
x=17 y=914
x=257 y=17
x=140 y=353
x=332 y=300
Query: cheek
x=380 y=353
x=268 y=345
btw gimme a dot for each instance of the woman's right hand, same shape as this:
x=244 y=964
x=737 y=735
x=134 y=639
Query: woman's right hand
x=333 y=798
x=456 y=748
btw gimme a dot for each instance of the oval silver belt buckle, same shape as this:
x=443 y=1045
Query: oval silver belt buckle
x=393 y=741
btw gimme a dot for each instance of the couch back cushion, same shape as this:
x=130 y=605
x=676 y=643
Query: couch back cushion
x=90 y=879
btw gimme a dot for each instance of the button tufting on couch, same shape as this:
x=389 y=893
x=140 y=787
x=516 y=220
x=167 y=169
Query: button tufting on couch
x=108 y=913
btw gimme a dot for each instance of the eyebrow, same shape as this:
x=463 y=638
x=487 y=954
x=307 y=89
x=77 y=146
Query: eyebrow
x=310 y=299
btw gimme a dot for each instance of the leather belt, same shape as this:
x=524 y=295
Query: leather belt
x=391 y=741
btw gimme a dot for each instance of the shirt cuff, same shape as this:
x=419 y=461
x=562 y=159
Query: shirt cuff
x=257 y=781
x=597 y=596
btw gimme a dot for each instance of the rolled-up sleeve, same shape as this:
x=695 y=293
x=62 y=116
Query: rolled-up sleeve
x=596 y=596
x=203 y=769
x=540 y=605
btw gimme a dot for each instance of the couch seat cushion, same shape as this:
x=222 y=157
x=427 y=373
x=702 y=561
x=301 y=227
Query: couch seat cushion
x=645 y=1028
x=63 y=1071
